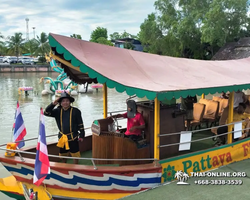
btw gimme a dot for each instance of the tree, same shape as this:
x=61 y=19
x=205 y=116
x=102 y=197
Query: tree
x=2 y=46
x=76 y=36
x=43 y=45
x=31 y=47
x=15 y=44
x=150 y=35
x=194 y=28
x=127 y=44
x=116 y=35
x=224 y=21
x=98 y=33
x=102 y=40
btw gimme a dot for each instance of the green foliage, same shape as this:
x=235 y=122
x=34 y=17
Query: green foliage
x=31 y=47
x=99 y=32
x=224 y=21
x=42 y=59
x=100 y=35
x=194 y=28
x=15 y=44
x=151 y=35
x=77 y=36
x=43 y=47
x=102 y=40
x=129 y=45
x=3 y=49
x=116 y=35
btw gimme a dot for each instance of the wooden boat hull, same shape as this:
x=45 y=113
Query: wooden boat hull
x=77 y=181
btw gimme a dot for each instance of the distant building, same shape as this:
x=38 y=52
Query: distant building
x=121 y=43
x=234 y=50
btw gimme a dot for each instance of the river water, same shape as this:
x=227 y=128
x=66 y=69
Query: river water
x=90 y=104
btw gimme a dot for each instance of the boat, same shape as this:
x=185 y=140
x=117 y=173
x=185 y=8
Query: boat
x=111 y=165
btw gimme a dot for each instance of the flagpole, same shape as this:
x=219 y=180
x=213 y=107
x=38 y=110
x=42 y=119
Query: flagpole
x=13 y=128
x=39 y=123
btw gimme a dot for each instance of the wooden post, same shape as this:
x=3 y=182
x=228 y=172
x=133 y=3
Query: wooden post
x=105 y=101
x=157 y=129
x=230 y=117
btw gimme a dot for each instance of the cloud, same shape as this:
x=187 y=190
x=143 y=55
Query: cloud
x=76 y=16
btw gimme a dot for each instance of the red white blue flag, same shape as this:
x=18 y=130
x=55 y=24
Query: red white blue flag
x=19 y=128
x=42 y=166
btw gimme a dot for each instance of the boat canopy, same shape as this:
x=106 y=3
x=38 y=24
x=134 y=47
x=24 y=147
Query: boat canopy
x=147 y=74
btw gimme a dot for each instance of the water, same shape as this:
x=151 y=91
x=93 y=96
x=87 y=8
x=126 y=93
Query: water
x=90 y=104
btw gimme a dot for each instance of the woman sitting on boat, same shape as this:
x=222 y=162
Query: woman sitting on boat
x=135 y=122
x=69 y=122
x=239 y=115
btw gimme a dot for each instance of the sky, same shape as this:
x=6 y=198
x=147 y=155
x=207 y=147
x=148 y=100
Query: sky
x=66 y=17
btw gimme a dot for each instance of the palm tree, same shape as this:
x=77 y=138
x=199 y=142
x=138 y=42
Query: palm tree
x=31 y=47
x=43 y=46
x=15 y=44
x=2 y=47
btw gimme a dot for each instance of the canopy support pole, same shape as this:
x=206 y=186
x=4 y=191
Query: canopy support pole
x=105 y=101
x=230 y=117
x=157 y=129
x=203 y=96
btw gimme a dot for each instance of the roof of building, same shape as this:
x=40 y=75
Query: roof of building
x=234 y=50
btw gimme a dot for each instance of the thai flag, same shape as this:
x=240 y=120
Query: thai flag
x=19 y=128
x=42 y=166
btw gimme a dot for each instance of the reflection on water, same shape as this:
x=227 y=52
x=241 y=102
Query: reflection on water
x=91 y=106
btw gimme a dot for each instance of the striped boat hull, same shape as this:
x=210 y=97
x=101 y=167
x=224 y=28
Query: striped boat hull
x=129 y=179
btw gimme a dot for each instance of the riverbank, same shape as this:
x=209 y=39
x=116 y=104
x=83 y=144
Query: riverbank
x=25 y=68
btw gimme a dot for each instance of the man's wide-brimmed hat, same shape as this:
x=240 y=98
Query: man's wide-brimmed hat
x=66 y=95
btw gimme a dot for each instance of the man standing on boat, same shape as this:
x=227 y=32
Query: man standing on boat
x=70 y=124
x=135 y=122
